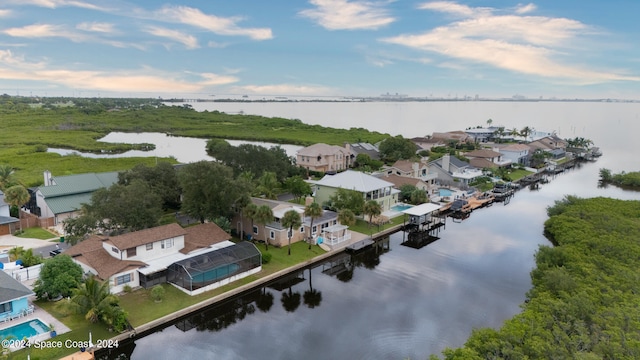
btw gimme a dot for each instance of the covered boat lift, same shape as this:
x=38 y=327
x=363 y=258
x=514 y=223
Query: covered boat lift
x=424 y=224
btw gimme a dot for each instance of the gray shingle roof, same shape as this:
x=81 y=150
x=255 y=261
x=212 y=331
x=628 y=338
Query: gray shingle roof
x=11 y=289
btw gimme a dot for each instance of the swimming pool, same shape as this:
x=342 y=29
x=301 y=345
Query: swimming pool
x=401 y=207
x=445 y=192
x=25 y=329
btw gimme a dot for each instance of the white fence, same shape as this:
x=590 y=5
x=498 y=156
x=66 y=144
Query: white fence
x=25 y=274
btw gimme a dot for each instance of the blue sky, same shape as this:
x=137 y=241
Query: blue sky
x=565 y=49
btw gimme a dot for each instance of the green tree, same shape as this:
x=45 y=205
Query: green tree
x=268 y=185
x=290 y=220
x=263 y=216
x=526 y=131
x=371 y=208
x=396 y=148
x=15 y=253
x=313 y=211
x=297 y=187
x=162 y=180
x=346 y=217
x=16 y=196
x=29 y=259
x=7 y=176
x=605 y=175
x=93 y=299
x=419 y=196
x=58 y=276
x=241 y=205
x=209 y=190
x=347 y=199
x=406 y=191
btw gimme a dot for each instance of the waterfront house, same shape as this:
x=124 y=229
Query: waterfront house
x=485 y=158
x=146 y=257
x=517 y=153
x=61 y=197
x=275 y=233
x=324 y=158
x=8 y=224
x=399 y=181
x=457 y=137
x=13 y=297
x=453 y=171
x=427 y=142
x=363 y=148
x=482 y=134
x=411 y=169
x=371 y=188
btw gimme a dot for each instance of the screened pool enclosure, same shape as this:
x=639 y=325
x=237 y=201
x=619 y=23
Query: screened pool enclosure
x=207 y=269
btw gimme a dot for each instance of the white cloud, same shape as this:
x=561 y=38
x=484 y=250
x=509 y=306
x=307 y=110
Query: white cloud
x=282 y=89
x=100 y=27
x=213 y=44
x=43 y=31
x=215 y=24
x=5 y=13
x=189 y=41
x=346 y=15
x=524 y=9
x=14 y=67
x=525 y=44
x=52 y=4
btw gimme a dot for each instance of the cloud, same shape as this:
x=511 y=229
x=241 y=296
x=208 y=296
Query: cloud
x=189 y=41
x=52 y=4
x=345 y=15
x=523 y=9
x=99 y=27
x=530 y=45
x=282 y=89
x=215 y=24
x=44 y=31
x=5 y=13
x=14 y=67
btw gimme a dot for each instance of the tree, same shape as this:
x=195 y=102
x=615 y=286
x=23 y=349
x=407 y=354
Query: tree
x=162 y=180
x=263 y=216
x=93 y=299
x=250 y=211
x=58 y=276
x=268 y=185
x=526 y=131
x=396 y=148
x=371 y=208
x=419 y=196
x=291 y=219
x=209 y=190
x=346 y=217
x=406 y=191
x=489 y=122
x=17 y=195
x=313 y=211
x=240 y=205
x=605 y=175
x=347 y=199
x=7 y=176
x=499 y=133
x=297 y=187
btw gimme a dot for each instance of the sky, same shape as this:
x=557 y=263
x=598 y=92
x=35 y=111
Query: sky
x=325 y=48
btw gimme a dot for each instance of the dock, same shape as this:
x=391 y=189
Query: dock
x=360 y=245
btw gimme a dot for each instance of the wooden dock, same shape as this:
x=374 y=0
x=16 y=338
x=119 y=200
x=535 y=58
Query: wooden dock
x=360 y=245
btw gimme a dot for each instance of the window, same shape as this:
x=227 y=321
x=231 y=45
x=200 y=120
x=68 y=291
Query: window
x=115 y=250
x=123 y=279
x=165 y=244
x=302 y=229
x=149 y=246
x=255 y=229
x=5 y=308
x=272 y=234
x=314 y=229
x=131 y=252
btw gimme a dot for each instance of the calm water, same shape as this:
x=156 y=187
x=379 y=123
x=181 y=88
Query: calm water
x=408 y=303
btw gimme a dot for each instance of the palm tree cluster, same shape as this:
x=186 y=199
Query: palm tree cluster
x=579 y=142
x=15 y=194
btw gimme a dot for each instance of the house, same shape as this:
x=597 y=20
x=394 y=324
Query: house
x=324 y=158
x=275 y=233
x=426 y=143
x=452 y=170
x=482 y=134
x=13 y=297
x=372 y=188
x=517 y=153
x=412 y=169
x=399 y=181
x=61 y=197
x=364 y=148
x=458 y=137
x=168 y=253
x=8 y=224
x=485 y=158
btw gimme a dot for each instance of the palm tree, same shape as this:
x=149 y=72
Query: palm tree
x=241 y=205
x=263 y=216
x=268 y=185
x=312 y=297
x=526 y=131
x=250 y=212
x=513 y=132
x=291 y=219
x=17 y=195
x=371 y=208
x=314 y=211
x=15 y=253
x=346 y=217
x=93 y=299
x=6 y=176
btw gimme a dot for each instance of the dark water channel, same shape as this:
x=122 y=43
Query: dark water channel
x=391 y=302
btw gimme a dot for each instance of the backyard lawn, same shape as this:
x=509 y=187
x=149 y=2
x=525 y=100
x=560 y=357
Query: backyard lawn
x=37 y=233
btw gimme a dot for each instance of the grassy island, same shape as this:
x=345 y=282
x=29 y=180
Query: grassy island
x=586 y=290
x=28 y=131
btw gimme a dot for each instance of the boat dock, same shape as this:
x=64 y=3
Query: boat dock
x=359 y=245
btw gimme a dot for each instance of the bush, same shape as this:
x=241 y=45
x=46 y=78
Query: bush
x=157 y=293
x=127 y=288
x=266 y=257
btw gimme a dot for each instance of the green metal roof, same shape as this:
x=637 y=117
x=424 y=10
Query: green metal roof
x=76 y=184
x=69 y=203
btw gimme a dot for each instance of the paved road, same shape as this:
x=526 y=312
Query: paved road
x=41 y=247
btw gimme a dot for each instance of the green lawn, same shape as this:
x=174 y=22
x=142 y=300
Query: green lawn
x=518 y=174
x=142 y=309
x=362 y=226
x=37 y=233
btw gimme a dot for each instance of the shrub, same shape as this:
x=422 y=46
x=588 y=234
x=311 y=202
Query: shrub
x=127 y=288
x=266 y=257
x=157 y=293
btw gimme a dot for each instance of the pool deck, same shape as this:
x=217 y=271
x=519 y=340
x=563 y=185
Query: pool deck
x=44 y=316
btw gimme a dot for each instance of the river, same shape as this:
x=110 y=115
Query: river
x=405 y=302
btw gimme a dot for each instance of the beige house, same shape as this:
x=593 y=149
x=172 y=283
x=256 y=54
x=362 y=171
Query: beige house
x=324 y=158
x=412 y=169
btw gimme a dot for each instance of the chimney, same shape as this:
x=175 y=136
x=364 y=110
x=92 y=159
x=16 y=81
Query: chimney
x=445 y=162
x=47 y=178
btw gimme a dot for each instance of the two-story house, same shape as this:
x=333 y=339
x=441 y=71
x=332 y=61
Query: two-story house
x=486 y=158
x=517 y=153
x=453 y=171
x=412 y=169
x=324 y=158
x=371 y=188
x=157 y=255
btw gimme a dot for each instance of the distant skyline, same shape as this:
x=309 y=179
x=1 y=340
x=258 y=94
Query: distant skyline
x=200 y=49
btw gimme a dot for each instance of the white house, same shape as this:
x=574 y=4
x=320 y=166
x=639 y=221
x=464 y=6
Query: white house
x=517 y=153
